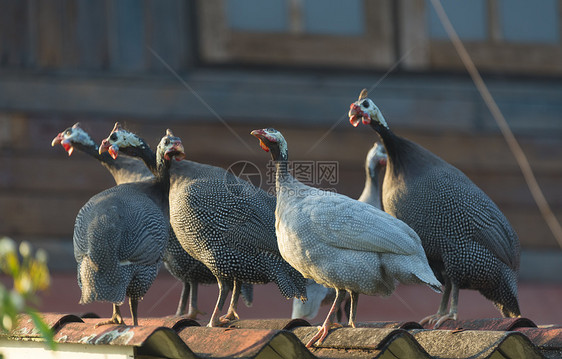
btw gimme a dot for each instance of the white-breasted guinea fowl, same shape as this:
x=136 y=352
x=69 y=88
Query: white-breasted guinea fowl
x=468 y=241
x=124 y=169
x=340 y=242
x=119 y=239
x=375 y=164
x=226 y=223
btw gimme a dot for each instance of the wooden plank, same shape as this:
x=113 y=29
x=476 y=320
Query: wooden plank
x=413 y=32
x=127 y=40
x=70 y=41
x=14 y=33
x=500 y=57
x=91 y=33
x=33 y=214
x=77 y=175
x=166 y=33
x=49 y=31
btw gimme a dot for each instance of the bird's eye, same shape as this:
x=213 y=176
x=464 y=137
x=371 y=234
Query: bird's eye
x=67 y=132
x=167 y=141
x=365 y=104
x=113 y=137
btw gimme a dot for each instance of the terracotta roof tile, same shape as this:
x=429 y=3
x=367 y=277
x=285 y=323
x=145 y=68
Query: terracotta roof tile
x=475 y=344
x=487 y=324
x=179 y=337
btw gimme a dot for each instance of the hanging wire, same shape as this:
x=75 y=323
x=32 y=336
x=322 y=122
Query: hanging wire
x=514 y=146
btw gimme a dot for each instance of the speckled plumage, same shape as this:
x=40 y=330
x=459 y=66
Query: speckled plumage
x=119 y=237
x=468 y=241
x=221 y=221
x=228 y=224
x=375 y=164
x=339 y=242
x=126 y=169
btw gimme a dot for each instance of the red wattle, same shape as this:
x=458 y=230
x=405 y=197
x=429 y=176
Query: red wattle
x=113 y=152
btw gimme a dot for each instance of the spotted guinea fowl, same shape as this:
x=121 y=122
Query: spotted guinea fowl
x=468 y=241
x=125 y=169
x=340 y=242
x=224 y=222
x=119 y=238
x=317 y=294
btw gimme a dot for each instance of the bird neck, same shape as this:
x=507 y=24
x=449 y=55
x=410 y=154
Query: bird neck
x=148 y=157
x=372 y=192
x=162 y=174
x=394 y=145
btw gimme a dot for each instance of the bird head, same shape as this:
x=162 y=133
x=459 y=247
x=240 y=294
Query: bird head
x=170 y=147
x=376 y=158
x=377 y=155
x=272 y=140
x=120 y=139
x=72 y=136
x=365 y=109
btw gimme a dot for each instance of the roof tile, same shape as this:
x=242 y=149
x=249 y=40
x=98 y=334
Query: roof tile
x=177 y=337
x=243 y=343
x=487 y=324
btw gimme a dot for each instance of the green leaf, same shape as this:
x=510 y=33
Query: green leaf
x=43 y=329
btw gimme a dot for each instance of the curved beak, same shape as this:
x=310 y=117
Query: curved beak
x=106 y=146
x=175 y=151
x=356 y=114
x=260 y=134
x=64 y=143
x=57 y=140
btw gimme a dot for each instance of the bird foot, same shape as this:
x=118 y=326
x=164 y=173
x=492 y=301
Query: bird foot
x=437 y=319
x=229 y=317
x=112 y=321
x=322 y=333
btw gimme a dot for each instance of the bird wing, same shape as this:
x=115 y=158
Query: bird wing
x=145 y=232
x=345 y=223
x=234 y=209
x=469 y=208
x=494 y=232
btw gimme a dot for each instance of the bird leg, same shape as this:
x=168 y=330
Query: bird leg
x=183 y=300
x=329 y=322
x=353 y=308
x=223 y=292
x=231 y=314
x=432 y=319
x=134 y=305
x=453 y=310
x=116 y=318
x=193 y=310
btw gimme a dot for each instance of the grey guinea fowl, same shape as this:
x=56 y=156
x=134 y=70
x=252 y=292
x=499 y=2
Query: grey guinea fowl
x=119 y=239
x=123 y=170
x=375 y=164
x=221 y=221
x=339 y=242
x=468 y=241
x=126 y=169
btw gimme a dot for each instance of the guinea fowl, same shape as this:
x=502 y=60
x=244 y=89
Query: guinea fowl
x=375 y=164
x=339 y=242
x=125 y=169
x=223 y=221
x=119 y=238
x=468 y=241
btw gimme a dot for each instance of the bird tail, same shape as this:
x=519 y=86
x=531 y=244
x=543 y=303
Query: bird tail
x=291 y=283
x=97 y=286
x=247 y=293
